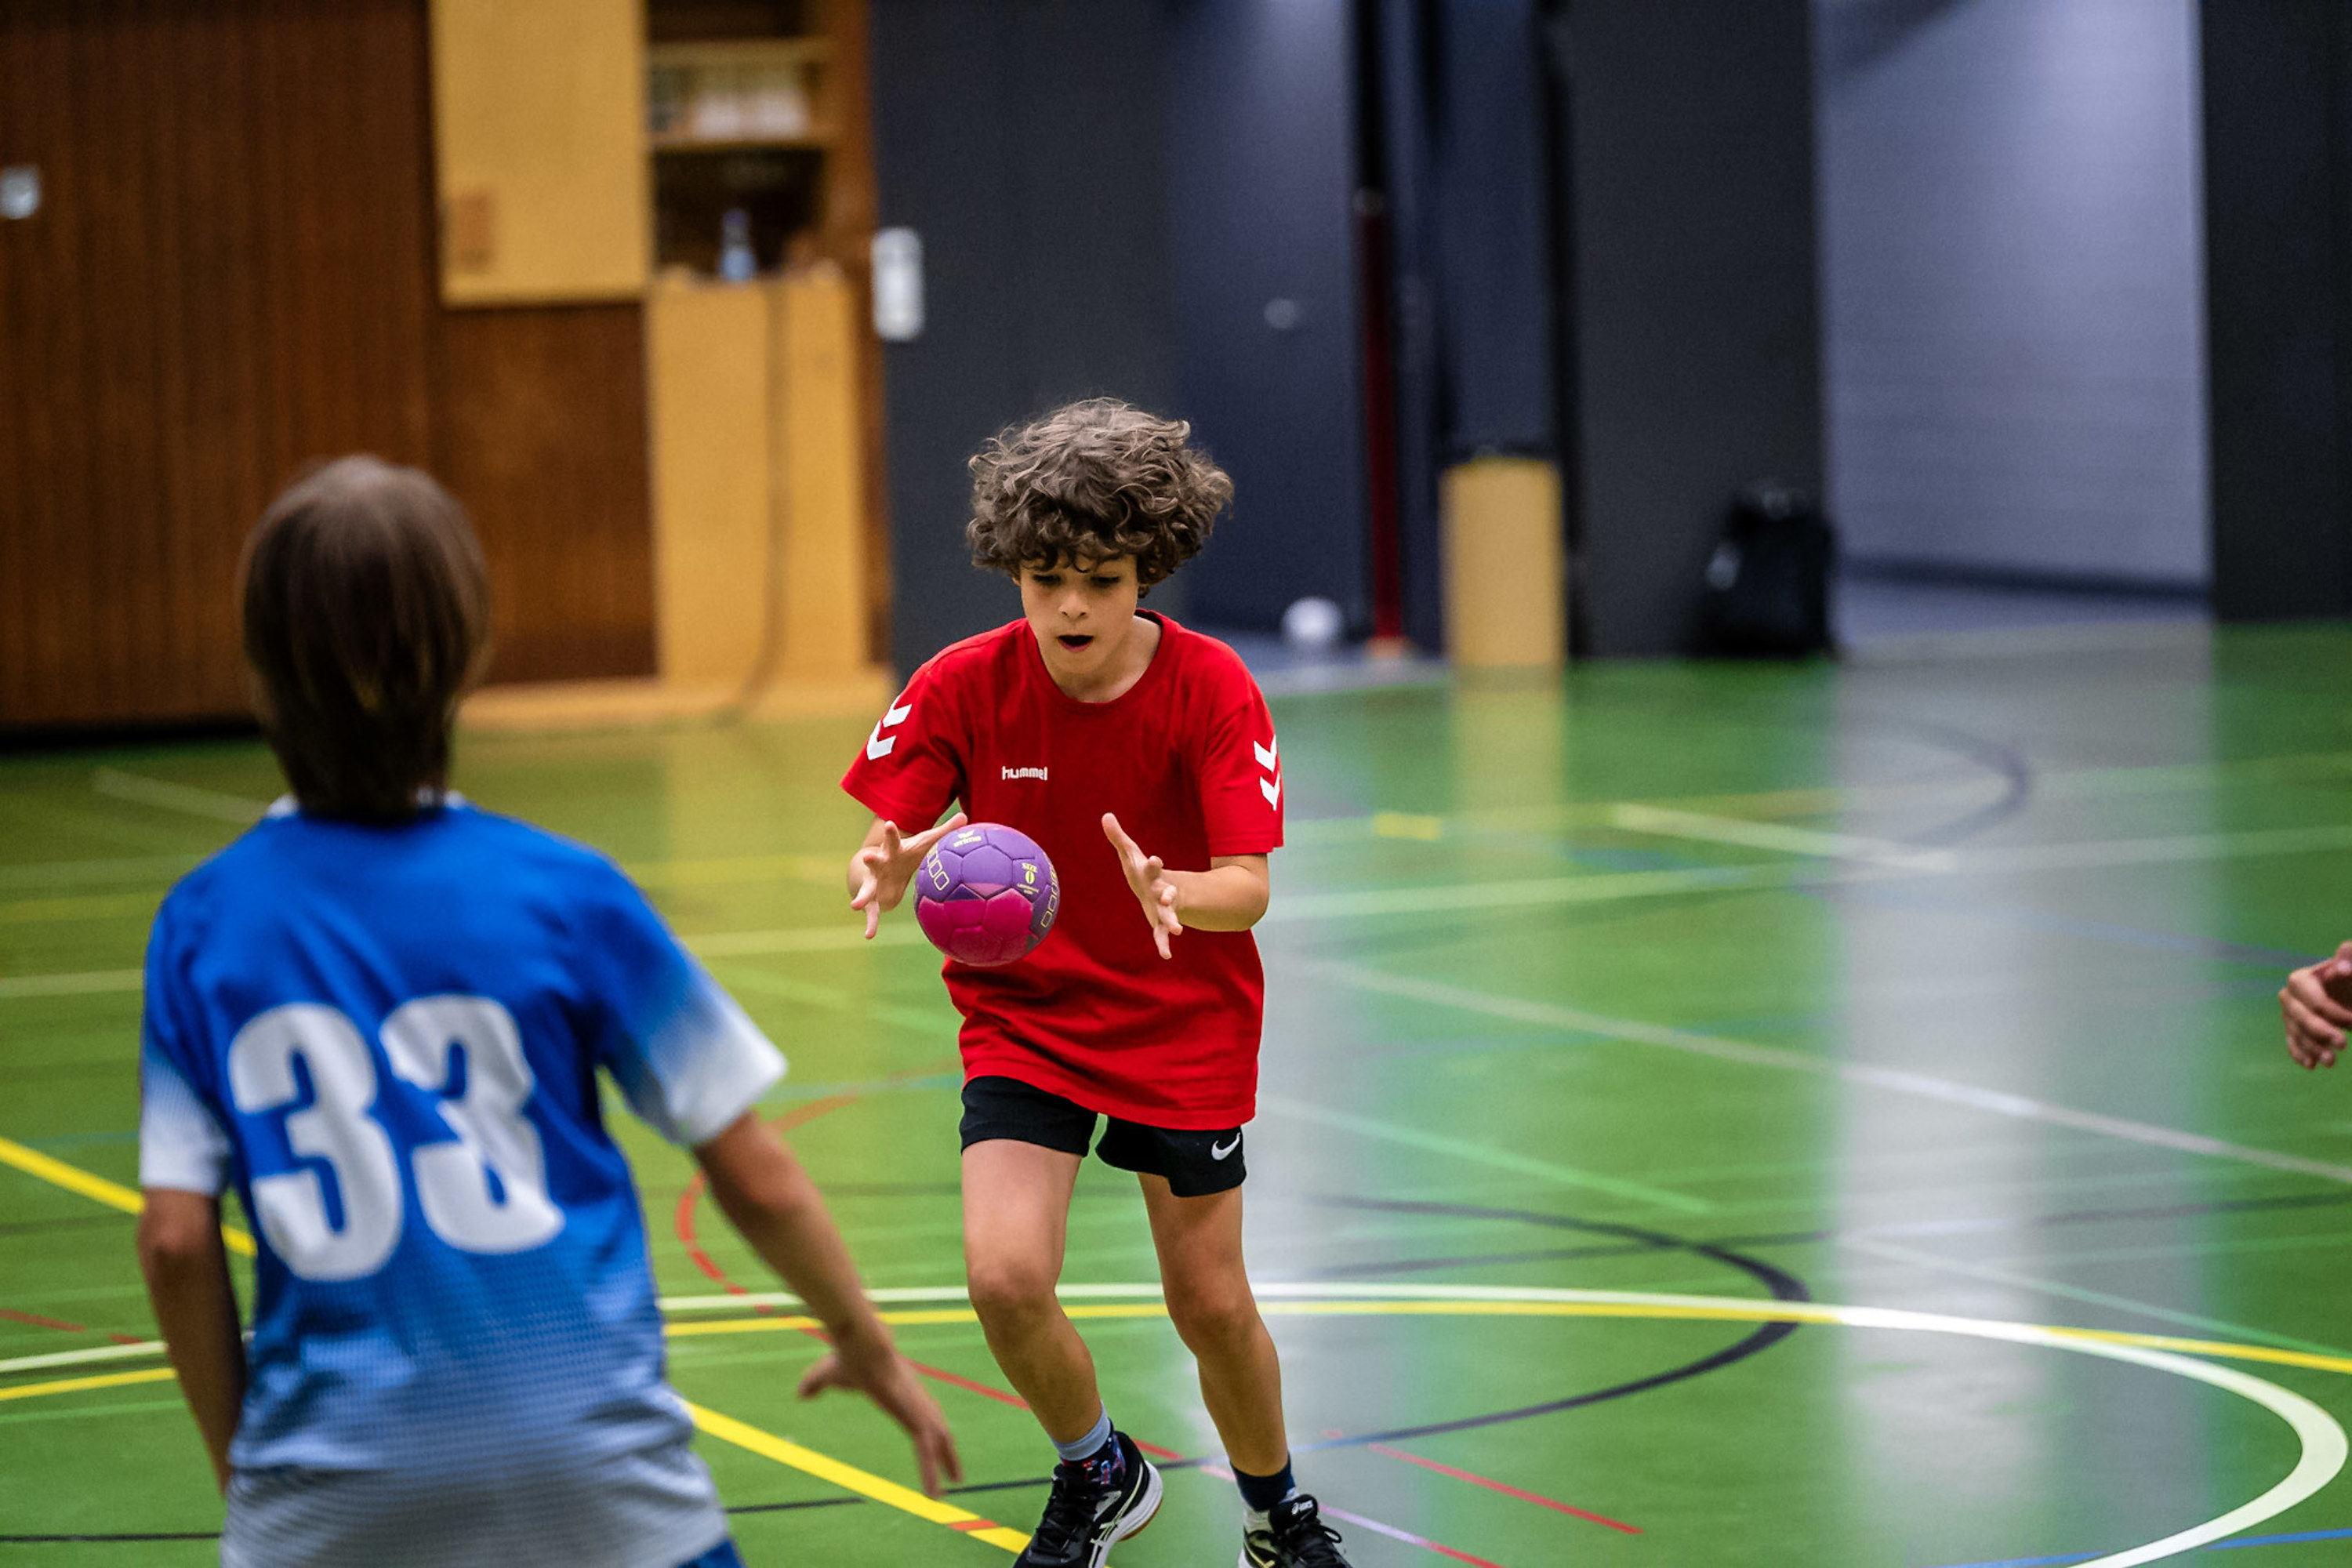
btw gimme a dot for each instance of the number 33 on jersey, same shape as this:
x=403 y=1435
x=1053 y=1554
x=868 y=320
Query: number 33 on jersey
x=482 y=1186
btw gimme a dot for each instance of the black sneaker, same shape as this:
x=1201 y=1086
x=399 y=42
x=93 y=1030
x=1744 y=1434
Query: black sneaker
x=1295 y=1537
x=1088 y=1513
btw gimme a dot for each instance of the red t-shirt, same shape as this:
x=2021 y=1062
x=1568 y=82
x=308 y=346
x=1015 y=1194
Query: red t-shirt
x=1186 y=760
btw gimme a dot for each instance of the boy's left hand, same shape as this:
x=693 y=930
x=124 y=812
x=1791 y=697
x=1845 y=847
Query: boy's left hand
x=1149 y=879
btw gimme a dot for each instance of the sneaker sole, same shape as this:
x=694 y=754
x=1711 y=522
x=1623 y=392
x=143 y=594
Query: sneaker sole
x=1146 y=1509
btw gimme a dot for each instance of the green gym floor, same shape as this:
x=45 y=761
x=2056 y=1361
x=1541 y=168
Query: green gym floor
x=1681 y=1083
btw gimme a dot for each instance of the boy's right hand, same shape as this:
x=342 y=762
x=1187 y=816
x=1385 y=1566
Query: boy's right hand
x=877 y=1370
x=886 y=864
x=2316 y=1003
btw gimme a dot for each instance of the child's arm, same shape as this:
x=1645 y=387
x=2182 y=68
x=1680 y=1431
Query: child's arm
x=771 y=1202
x=1231 y=894
x=186 y=1267
x=885 y=864
x=2313 y=1003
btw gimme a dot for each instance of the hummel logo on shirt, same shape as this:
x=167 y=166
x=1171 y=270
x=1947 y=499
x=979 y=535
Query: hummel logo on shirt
x=1037 y=774
x=1271 y=785
x=876 y=748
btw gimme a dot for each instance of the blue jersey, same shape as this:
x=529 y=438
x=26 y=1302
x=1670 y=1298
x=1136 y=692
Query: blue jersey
x=387 y=1037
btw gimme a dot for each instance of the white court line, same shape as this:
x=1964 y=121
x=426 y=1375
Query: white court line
x=2322 y=1445
x=116 y=785
x=91 y=982
x=1531 y=892
x=2159 y=851
x=80 y=1358
x=1633 y=1030
x=1663 y=822
x=845 y=937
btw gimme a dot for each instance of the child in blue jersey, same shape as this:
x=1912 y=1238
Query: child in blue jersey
x=381 y=1014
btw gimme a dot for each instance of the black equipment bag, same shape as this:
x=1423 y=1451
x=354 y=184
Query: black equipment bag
x=1766 y=593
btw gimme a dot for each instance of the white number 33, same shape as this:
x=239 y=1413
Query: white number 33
x=481 y=1189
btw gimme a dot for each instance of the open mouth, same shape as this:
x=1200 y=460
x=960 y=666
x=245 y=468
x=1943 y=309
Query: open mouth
x=1076 y=645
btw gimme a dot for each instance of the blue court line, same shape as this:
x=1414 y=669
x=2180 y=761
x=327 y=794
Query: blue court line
x=2297 y=1538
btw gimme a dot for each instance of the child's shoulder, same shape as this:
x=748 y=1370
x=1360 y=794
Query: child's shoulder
x=984 y=657
x=288 y=848
x=1211 y=665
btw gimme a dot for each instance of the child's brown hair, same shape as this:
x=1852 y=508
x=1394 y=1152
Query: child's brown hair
x=1090 y=482
x=366 y=613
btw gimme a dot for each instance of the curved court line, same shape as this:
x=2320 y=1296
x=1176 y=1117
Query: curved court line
x=1783 y=1285
x=2324 y=1447
x=2323 y=1442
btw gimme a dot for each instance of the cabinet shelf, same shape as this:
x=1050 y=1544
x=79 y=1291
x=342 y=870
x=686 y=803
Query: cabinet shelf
x=666 y=142
x=738 y=54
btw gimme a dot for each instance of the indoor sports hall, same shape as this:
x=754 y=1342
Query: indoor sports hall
x=1798 y=555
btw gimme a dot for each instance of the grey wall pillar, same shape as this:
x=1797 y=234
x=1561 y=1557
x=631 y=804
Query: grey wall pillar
x=1024 y=140
x=1689 y=286
x=2278 y=264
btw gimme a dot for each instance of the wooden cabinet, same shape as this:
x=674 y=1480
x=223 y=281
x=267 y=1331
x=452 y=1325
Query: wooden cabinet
x=539 y=115
x=759 y=561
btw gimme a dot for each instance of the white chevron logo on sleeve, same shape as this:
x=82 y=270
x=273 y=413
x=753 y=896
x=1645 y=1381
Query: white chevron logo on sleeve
x=876 y=748
x=1271 y=785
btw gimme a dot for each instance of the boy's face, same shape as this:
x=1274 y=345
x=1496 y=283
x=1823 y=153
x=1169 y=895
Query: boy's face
x=1082 y=612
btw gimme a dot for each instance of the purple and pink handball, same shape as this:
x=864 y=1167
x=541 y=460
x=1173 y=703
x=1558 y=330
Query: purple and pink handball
x=986 y=894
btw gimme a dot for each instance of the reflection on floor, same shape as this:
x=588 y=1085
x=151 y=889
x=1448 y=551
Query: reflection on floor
x=1907 y=985
x=1872 y=609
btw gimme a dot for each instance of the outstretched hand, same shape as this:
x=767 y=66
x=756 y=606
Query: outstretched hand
x=887 y=867
x=2317 y=1003
x=887 y=1379
x=1149 y=879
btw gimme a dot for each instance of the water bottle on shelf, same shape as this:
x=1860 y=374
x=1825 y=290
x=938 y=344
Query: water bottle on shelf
x=736 y=262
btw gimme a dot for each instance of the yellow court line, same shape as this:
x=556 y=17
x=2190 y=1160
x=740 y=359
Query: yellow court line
x=849 y=1478
x=113 y=1194
x=1741 y=1312
x=2321 y=1438
x=77 y=1384
x=2221 y=1350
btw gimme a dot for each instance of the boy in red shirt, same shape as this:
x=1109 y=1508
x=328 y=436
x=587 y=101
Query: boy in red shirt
x=1098 y=729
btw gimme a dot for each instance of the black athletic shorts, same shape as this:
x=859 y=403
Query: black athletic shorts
x=1196 y=1163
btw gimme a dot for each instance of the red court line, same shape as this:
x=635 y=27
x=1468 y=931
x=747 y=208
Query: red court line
x=1504 y=1487
x=796 y=1117
x=816 y=1108
x=1391 y=1530
x=35 y=1319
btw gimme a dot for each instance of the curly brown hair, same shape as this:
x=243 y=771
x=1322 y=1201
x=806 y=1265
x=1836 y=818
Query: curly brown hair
x=1090 y=482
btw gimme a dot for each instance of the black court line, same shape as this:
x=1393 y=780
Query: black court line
x=2335 y=1199
x=1783 y=1285
x=1995 y=756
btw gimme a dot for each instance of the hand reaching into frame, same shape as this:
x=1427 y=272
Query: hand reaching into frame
x=2316 y=1005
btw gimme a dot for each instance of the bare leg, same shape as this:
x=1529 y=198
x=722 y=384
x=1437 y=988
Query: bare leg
x=1199 y=1245
x=1016 y=1211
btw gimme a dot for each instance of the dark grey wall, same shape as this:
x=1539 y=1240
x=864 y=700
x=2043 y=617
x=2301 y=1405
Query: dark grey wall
x=1260 y=178
x=1693 y=332
x=2278 y=194
x=2012 y=285
x=1025 y=139
x=1494 y=235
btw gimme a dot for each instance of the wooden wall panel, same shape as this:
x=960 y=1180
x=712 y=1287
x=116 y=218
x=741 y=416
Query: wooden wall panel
x=232 y=276
x=228 y=279
x=539 y=428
